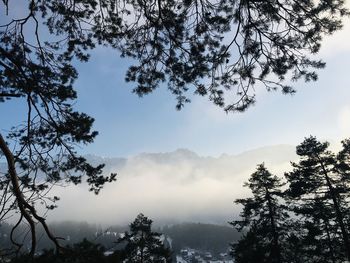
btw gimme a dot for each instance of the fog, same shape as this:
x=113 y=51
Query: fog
x=169 y=187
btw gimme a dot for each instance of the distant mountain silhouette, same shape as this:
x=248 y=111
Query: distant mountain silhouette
x=169 y=187
x=276 y=156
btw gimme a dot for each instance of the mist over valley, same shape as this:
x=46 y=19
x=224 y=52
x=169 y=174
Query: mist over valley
x=172 y=187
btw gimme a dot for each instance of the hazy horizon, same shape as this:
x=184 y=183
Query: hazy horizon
x=169 y=187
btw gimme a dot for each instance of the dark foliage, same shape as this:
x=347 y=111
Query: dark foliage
x=311 y=216
x=83 y=252
x=264 y=218
x=318 y=194
x=142 y=245
x=251 y=248
x=207 y=47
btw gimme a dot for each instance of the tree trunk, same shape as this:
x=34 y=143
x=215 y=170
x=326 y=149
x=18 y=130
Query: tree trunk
x=329 y=240
x=17 y=191
x=26 y=210
x=276 y=253
x=338 y=212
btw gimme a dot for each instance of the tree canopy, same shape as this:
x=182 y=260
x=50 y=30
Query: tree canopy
x=319 y=193
x=142 y=245
x=220 y=49
x=307 y=218
x=264 y=216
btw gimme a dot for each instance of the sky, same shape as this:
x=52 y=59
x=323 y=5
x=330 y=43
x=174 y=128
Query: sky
x=129 y=125
x=185 y=190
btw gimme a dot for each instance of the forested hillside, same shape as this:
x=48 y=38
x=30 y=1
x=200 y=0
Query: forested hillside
x=205 y=237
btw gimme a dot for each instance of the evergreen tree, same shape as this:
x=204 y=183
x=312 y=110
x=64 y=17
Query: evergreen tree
x=264 y=217
x=316 y=226
x=209 y=47
x=142 y=245
x=250 y=248
x=343 y=169
x=314 y=237
x=317 y=194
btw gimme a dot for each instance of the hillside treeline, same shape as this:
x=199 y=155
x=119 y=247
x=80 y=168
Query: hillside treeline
x=301 y=217
x=206 y=237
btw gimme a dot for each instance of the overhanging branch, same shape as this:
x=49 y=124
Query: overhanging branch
x=10 y=95
x=27 y=210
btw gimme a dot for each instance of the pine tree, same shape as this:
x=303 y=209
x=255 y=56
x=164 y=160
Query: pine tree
x=317 y=193
x=250 y=248
x=142 y=245
x=264 y=217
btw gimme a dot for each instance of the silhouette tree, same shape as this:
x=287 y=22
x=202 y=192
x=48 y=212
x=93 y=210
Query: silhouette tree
x=343 y=169
x=264 y=217
x=142 y=245
x=311 y=216
x=317 y=188
x=207 y=47
x=250 y=248
x=313 y=239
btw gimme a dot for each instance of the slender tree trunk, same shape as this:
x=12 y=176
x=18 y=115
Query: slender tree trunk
x=329 y=240
x=142 y=247
x=339 y=215
x=17 y=191
x=26 y=210
x=276 y=253
x=340 y=219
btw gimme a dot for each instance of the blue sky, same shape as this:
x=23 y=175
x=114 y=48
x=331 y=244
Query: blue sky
x=129 y=125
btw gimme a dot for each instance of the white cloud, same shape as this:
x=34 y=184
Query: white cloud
x=177 y=186
x=344 y=122
x=338 y=42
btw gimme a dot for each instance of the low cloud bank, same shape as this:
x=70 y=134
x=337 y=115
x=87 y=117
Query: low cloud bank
x=170 y=187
